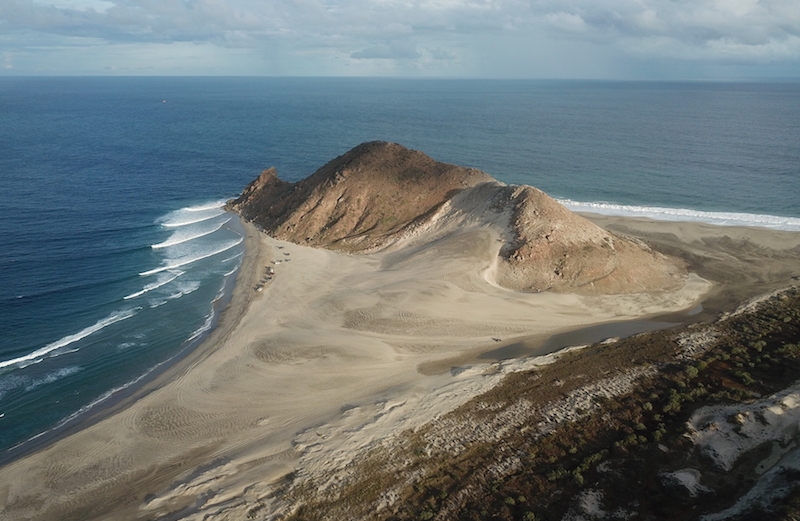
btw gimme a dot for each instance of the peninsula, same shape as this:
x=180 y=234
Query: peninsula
x=393 y=350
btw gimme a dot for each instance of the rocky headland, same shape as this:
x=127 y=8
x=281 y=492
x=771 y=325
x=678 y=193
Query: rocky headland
x=381 y=195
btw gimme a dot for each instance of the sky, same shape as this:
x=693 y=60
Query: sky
x=586 y=39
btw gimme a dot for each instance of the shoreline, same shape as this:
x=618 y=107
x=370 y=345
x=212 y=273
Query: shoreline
x=731 y=256
x=225 y=417
x=234 y=305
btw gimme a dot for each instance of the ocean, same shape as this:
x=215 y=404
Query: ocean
x=116 y=257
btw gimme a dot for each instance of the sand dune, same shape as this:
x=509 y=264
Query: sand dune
x=329 y=355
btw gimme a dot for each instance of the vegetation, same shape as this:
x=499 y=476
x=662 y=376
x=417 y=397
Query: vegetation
x=620 y=448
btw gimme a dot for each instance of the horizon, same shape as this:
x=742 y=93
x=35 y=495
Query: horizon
x=757 y=79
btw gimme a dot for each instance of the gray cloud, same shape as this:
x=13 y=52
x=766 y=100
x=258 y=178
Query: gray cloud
x=427 y=32
x=391 y=51
x=708 y=29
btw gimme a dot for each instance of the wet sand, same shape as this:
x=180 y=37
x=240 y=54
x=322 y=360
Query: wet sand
x=333 y=333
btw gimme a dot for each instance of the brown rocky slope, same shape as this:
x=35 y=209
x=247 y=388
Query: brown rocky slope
x=381 y=195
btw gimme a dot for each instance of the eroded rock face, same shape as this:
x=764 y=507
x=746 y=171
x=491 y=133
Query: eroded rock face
x=555 y=249
x=378 y=194
x=358 y=201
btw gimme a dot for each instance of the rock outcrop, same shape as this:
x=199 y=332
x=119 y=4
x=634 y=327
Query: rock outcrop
x=555 y=249
x=358 y=202
x=379 y=194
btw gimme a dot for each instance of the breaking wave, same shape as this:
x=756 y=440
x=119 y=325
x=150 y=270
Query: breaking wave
x=192 y=215
x=177 y=263
x=70 y=339
x=180 y=238
x=774 y=222
x=162 y=281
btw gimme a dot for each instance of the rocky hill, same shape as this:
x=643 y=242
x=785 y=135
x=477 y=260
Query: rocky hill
x=382 y=195
x=360 y=201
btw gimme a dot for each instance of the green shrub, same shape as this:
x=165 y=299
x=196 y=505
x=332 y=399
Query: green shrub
x=745 y=377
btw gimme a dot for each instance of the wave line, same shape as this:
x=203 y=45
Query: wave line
x=684 y=214
x=152 y=286
x=233 y=257
x=233 y=270
x=70 y=339
x=178 y=224
x=209 y=206
x=180 y=240
x=191 y=260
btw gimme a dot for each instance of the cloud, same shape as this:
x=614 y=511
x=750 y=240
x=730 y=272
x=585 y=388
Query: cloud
x=391 y=51
x=442 y=54
x=423 y=33
x=569 y=22
x=78 y=5
x=689 y=29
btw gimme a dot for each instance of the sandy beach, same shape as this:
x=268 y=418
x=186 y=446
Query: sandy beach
x=338 y=351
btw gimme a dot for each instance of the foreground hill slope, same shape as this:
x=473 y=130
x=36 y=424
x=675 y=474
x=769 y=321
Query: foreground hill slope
x=692 y=423
x=382 y=195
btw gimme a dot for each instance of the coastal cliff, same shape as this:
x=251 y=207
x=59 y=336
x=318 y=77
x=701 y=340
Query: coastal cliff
x=379 y=196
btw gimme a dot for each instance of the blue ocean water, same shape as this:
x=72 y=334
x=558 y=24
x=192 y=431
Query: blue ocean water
x=115 y=255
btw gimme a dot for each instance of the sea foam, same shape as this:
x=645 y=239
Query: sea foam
x=774 y=222
x=232 y=257
x=179 y=237
x=183 y=261
x=197 y=333
x=229 y=273
x=97 y=401
x=52 y=377
x=70 y=339
x=162 y=281
x=177 y=224
x=187 y=216
x=202 y=207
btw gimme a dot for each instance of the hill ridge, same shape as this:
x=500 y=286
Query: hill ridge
x=381 y=195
